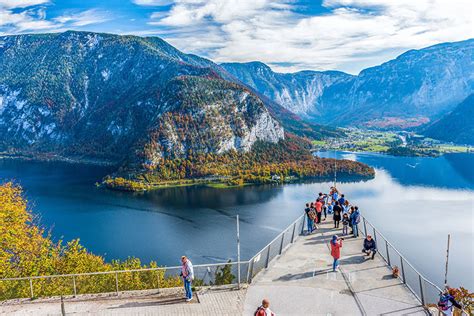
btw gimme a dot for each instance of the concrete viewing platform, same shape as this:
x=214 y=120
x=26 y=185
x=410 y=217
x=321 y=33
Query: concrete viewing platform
x=298 y=282
x=301 y=281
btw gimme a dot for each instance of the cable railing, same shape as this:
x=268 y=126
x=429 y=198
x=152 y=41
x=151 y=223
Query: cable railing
x=225 y=273
x=116 y=281
x=424 y=290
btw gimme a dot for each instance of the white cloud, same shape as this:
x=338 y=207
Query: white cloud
x=24 y=21
x=353 y=35
x=34 y=19
x=11 y=4
x=153 y=2
x=88 y=17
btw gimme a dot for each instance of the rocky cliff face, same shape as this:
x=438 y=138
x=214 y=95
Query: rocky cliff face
x=106 y=96
x=419 y=84
x=298 y=92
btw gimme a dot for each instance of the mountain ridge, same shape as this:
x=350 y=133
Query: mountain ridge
x=409 y=87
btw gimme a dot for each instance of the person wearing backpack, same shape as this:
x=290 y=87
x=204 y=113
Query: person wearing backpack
x=264 y=309
x=447 y=303
x=345 y=224
x=187 y=273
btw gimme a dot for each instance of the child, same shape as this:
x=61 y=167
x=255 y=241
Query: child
x=345 y=224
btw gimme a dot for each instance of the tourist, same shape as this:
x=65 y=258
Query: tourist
x=355 y=219
x=264 y=309
x=334 y=194
x=310 y=222
x=345 y=224
x=341 y=200
x=370 y=247
x=336 y=245
x=319 y=210
x=337 y=209
x=323 y=199
x=346 y=207
x=187 y=273
x=447 y=302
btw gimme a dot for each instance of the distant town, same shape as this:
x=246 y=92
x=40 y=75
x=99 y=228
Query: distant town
x=398 y=143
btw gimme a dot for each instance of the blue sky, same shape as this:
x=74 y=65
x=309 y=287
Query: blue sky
x=289 y=35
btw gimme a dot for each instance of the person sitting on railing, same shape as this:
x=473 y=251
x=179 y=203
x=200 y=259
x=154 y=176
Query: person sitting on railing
x=187 y=273
x=370 y=247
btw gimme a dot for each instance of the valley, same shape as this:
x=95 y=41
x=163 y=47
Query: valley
x=396 y=143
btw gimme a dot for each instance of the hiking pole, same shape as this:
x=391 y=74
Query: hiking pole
x=238 y=252
x=447 y=259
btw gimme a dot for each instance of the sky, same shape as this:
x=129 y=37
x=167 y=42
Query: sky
x=288 y=35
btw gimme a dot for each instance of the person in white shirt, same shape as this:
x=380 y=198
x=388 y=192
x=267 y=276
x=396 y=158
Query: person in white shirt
x=187 y=273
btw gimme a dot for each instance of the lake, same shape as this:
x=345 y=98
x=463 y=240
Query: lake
x=413 y=201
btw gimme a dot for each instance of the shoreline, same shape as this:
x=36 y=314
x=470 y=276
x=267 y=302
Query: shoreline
x=202 y=182
x=58 y=158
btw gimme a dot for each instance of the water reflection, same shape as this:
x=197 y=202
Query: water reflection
x=415 y=202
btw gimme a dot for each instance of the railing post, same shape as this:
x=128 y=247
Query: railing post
x=31 y=288
x=250 y=272
x=293 y=235
x=116 y=283
x=158 y=279
x=375 y=236
x=421 y=290
x=268 y=257
x=365 y=226
x=388 y=254
x=74 y=284
x=281 y=244
x=403 y=270
x=302 y=225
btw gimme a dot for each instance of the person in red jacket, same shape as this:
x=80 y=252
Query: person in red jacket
x=336 y=245
x=264 y=309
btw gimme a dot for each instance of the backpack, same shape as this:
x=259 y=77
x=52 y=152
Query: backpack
x=258 y=310
x=443 y=303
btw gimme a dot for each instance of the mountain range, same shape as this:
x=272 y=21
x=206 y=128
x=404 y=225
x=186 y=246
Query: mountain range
x=102 y=95
x=457 y=126
x=415 y=88
x=136 y=99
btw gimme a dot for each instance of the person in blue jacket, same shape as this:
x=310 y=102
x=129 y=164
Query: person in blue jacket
x=355 y=220
x=370 y=247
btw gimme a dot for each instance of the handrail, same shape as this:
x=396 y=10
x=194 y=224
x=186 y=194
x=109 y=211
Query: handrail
x=249 y=262
x=116 y=271
x=276 y=238
x=401 y=256
x=150 y=269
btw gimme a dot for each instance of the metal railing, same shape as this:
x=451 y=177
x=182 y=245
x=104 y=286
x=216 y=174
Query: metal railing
x=424 y=290
x=116 y=281
x=274 y=248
